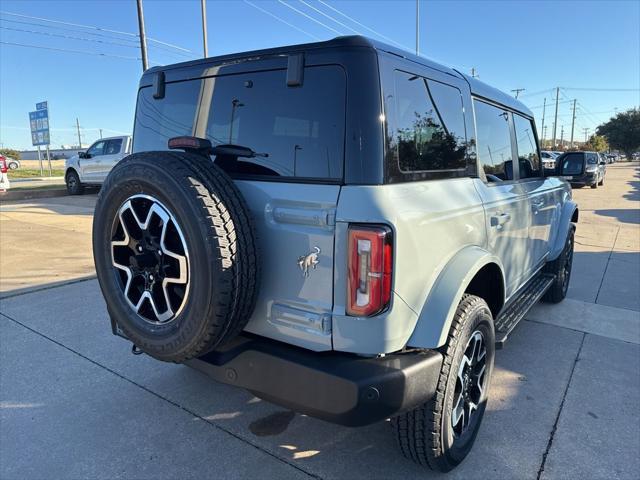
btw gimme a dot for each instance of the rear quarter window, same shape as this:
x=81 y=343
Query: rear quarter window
x=427 y=130
x=300 y=129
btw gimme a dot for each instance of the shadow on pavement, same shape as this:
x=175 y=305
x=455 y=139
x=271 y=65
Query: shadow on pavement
x=623 y=215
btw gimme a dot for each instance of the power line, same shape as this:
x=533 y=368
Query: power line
x=363 y=25
x=67 y=23
x=93 y=27
x=533 y=94
x=70 y=37
x=309 y=17
x=603 y=89
x=329 y=17
x=69 y=30
x=266 y=12
x=100 y=54
x=102 y=35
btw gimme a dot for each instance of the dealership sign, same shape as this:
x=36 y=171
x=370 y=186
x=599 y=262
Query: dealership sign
x=39 y=122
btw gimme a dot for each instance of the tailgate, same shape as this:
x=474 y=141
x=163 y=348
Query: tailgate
x=295 y=226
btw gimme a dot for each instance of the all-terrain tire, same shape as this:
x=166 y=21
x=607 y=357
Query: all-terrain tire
x=74 y=186
x=219 y=236
x=426 y=435
x=561 y=268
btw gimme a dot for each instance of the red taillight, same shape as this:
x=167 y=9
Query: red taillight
x=370 y=268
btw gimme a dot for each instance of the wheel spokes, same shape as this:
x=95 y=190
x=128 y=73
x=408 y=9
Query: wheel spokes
x=149 y=249
x=470 y=383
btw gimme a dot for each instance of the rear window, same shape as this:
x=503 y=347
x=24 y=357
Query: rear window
x=301 y=129
x=572 y=163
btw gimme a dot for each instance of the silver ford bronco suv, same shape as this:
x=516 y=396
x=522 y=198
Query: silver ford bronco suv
x=342 y=228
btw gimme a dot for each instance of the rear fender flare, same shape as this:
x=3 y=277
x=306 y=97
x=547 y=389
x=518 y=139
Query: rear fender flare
x=434 y=320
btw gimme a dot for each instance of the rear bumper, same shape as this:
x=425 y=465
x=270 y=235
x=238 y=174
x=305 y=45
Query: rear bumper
x=586 y=179
x=336 y=387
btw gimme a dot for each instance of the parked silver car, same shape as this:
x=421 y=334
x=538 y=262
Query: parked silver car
x=342 y=228
x=92 y=166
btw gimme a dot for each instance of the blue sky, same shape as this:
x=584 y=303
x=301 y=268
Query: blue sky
x=537 y=45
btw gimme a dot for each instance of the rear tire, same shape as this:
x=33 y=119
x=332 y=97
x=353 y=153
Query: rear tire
x=13 y=165
x=602 y=181
x=561 y=268
x=74 y=186
x=430 y=435
x=595 y=184
x=214 y=274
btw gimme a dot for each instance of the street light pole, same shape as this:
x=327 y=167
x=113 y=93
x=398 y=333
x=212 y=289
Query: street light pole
x=143 y=38
x=79 y=138
x=203 y=4
x=544 y=109
x=417 y=27
x=555 y=123
x=573 y=121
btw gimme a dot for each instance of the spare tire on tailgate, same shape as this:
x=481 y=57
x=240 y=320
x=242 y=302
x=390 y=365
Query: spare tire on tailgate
x=175 y=254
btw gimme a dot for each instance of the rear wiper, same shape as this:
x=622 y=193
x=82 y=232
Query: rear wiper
x=203 y=146
x=232 y=150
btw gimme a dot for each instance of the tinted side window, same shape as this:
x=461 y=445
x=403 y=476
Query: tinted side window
x=572 y=163
x=528 y=159
x=592 y=158
x=113 y=147
x=429 y=132
x=494 y=141
x=300 y=129
x=96 y=149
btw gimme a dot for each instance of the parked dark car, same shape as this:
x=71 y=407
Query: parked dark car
x=590 y=169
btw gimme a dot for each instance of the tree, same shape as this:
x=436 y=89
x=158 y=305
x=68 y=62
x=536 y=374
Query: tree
x=9 y=152
x=597 y=143
x=623 y=131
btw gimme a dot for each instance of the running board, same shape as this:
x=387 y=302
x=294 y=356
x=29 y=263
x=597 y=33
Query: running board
x=509 y=318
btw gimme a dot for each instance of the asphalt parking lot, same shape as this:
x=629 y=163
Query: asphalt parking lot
x=74 y=403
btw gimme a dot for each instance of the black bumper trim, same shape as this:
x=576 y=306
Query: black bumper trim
x=336 y=387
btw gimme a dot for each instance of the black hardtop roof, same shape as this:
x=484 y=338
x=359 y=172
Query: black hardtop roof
x=477 y=87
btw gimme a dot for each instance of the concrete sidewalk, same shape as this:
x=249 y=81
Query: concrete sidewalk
x=72 y=389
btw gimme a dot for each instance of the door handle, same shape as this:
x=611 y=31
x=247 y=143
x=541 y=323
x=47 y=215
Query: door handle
x=538 y=203
x=499 y=220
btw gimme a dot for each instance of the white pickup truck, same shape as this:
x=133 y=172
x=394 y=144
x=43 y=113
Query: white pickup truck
x=92 y=166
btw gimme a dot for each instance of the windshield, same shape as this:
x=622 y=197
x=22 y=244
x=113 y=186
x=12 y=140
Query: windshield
x=300 y=129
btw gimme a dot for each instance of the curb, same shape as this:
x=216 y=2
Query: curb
x=27 y=194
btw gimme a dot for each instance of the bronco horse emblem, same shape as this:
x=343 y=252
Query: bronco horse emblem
x=308 y=261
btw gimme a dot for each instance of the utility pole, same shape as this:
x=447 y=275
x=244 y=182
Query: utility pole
x=203 y=4
x=474 y=74
x=544 y=135
x=79 y=139
x=517 y=91
x=562 y=137
x=417 y=27
x=573 y=121
x=586 y=131
x=100 y=132
x=544 y=109
x=143 y=38
x=555 y=122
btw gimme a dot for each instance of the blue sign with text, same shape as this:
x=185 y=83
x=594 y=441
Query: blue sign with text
x=39 y=122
